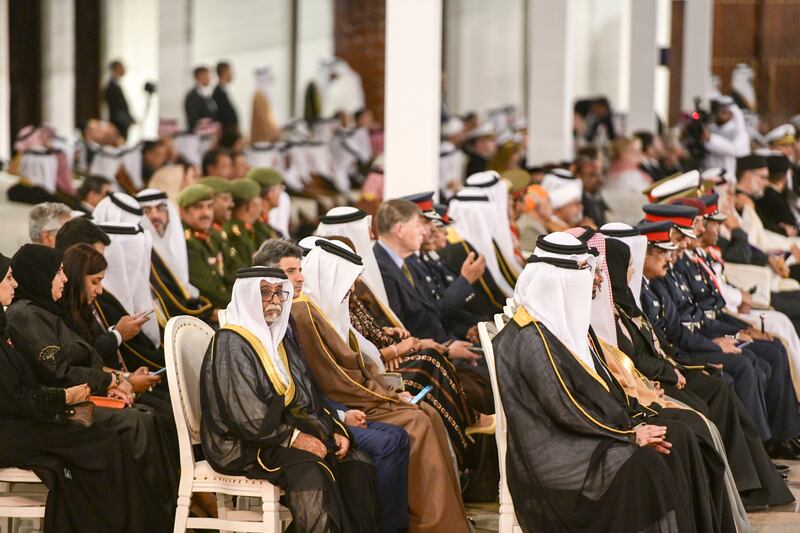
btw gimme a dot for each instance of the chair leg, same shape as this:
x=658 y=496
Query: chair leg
x=182 y=514
x=271 y=514
x=223 y=501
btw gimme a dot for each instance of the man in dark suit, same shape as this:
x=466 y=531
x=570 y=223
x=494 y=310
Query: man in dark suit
x=401 y=229
x=226 y=113
x=199 y=102
x=118 y=113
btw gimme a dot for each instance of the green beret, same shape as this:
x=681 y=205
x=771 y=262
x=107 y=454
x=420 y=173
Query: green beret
x=265 y=177
x=245 y=189
x=216 y=184
x=197 y=192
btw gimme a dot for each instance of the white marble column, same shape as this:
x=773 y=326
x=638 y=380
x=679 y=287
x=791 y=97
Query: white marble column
x=550 y=86
x=412 y=96
x=698 y=26
x=5 y=85
x=58 y=65
x=643 y=63
x=174 y=57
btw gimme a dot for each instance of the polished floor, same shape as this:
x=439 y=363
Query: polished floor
x=784 y=519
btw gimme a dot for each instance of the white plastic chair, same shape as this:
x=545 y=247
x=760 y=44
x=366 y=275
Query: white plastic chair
x=508 y=520
x=185 y=342
x=22 y=495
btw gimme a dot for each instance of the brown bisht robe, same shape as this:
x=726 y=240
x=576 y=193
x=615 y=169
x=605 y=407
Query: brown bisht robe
x=344 y=375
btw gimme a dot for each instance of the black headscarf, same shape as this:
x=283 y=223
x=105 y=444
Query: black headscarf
x=5 y=262
x=618 y=256
x=35 y=266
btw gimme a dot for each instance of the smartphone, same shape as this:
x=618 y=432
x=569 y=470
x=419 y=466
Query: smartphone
x=158 y=372
x=145 y=313
x=743 y=344
x=419 y=397
x=475 y=349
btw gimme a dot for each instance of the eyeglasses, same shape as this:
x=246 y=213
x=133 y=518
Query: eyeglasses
x=268 y=296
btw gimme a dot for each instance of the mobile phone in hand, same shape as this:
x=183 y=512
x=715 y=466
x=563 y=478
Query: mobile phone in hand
x=419 y=397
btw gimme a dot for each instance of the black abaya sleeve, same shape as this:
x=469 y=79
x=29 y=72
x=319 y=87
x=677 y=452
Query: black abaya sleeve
x=21 y=396
x=61 y=361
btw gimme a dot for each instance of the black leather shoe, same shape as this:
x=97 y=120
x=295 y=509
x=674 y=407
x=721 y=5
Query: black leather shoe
x=782 y=450
x=781 y=467
x=755 y=508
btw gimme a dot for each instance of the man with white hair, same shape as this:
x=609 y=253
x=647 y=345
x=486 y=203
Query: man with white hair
x=263 y=418
x=45 y=220
x=169 y=271
x=558 y=395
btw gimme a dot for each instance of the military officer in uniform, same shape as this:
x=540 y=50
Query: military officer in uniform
x=270 y=182
x=206 y=266
x=240 y=229
x=449 y=291
x=223 y=211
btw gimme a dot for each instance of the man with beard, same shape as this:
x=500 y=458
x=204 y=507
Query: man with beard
x=206 y=268
x=285 y=435
x=682 y=379
x=559 y=395
x=346 y=367
x=169 y=269
x=770 y=360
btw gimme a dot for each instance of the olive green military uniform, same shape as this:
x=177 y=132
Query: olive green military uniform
x=206 y=264
x=206 y=267
x=242 y=243
x=266 y=179
x=264 y=232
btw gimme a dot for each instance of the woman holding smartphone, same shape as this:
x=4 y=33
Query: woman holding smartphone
x=63 y=358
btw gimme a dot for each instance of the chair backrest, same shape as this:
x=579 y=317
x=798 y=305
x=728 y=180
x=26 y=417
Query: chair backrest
x=487 y=332
x=500 y=320
x=186 y=339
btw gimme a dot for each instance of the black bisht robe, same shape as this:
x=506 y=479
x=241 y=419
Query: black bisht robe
x=92 y=479
x=62 y=358
x=489 y=299
x=572 y=462
x=172 y=296
x=247 y=424
x=136 y=352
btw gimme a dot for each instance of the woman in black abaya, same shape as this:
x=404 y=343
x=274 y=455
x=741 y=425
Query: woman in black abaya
x=93 y=482
x=61 y=358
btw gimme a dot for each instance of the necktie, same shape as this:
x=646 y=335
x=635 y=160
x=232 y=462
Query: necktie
x=407 y=274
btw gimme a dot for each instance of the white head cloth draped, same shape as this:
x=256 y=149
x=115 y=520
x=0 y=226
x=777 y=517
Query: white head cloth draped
x=355 y=224
x=245 y=310
x=559 y=297
x=603 y=320
x=128 y=256
x=638 y=245
x=128 y=274
x=171 y=247
x=472 y=213
x=117 y=208
x=330 y=269
x=558 y=178
x=496 y=190
x=328 y=280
